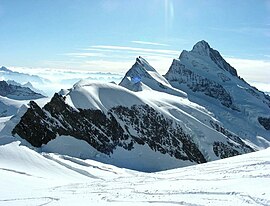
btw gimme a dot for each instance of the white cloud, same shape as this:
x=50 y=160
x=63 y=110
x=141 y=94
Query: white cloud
x=252 y=70
x=160 y=63
x=261 y=86
x=149 y=43
x=84 y=54
x=109 y=66
x=256 y=72
x=136 y=49
x=64 y=79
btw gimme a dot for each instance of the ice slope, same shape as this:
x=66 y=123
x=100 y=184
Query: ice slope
x=142 y=76
x=31 y=178
x=211 y=82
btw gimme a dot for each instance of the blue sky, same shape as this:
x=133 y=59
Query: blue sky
x=107 y=35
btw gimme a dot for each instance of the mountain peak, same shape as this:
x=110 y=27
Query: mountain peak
x=143 y=63
x=202 y=48
x=4 y=69
x=142 y=76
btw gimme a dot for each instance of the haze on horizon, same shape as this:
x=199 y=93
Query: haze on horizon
x=107 y=35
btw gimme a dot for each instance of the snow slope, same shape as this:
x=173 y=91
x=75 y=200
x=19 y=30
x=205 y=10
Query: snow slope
x=9 y=107
x=31 y=178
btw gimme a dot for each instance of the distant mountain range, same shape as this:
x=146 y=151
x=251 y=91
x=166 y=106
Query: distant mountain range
x=22 y=78
x=199 y=111
x=12 y=96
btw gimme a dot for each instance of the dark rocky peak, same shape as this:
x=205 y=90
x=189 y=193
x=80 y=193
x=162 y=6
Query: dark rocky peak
x=4 y=88
x=4 y=69
x=17 y=92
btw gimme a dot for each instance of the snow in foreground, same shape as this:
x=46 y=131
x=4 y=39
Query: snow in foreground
x=31 y=178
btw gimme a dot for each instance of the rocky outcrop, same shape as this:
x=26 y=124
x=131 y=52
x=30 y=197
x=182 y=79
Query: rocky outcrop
x=265 y=122
x=179 y=73
x=233 y=137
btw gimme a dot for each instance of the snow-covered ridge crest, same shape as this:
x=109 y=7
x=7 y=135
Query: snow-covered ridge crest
x=102 y=96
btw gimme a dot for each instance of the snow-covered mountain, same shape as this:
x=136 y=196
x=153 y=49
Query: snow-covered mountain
x=27 y=84
x=211 y=82
x=121 y=126
x=142 y=76
x=198 y=112
x=18 y=92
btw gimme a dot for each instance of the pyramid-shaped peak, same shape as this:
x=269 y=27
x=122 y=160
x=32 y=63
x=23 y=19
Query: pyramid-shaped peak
x=143 y=64
x=202 y=48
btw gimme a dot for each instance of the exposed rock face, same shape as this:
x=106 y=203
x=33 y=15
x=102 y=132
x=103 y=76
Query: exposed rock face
x=4 y=69
x=232 y=137
x=179 y=73
x=265 y=122
x=17 y=92
x=223 y=151
x=203 y=48
x=119 y=127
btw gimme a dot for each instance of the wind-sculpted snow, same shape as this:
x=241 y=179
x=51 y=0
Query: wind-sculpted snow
x=31 y=178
